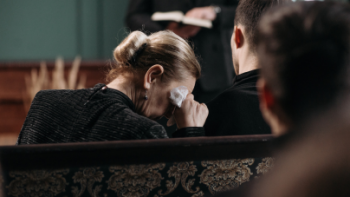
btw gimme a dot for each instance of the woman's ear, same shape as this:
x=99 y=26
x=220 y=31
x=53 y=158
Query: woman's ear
x=153 y=74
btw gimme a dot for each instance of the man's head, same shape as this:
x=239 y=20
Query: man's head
x=304 y=53
x=244 y=38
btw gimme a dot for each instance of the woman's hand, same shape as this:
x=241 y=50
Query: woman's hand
x=191 y=113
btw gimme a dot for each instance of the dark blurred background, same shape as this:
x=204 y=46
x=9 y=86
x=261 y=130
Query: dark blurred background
x=45 y=29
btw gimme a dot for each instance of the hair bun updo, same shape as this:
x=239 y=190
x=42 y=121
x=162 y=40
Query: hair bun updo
x=138 y=52
x=124 y=54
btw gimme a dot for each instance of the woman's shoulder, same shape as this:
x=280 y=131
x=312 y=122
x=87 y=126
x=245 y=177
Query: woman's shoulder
x=58 y=94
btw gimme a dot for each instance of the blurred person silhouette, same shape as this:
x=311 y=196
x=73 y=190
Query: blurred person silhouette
x=236 y=110
x=211 y=45
x=317 y=164
x=304 y=53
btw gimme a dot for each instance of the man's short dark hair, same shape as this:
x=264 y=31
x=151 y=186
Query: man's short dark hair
x=304 y=53
x=248 y=14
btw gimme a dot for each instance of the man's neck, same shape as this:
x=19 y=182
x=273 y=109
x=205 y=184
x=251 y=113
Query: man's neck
x=247 y=62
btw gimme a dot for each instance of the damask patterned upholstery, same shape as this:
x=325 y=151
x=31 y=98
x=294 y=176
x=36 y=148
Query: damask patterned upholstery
x=136 y=179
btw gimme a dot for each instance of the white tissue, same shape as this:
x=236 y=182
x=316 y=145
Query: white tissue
x=177 y=95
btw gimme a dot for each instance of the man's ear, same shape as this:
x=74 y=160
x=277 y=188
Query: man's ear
x=153 y=74
x=238 y=37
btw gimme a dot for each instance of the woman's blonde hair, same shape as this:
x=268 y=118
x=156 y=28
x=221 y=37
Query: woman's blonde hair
x=138 y=52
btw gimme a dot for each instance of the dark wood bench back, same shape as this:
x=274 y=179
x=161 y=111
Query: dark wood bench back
x=164 y=167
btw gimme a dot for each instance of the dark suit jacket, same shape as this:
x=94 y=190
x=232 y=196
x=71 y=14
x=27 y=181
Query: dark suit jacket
x=236 y=111
x=211 y=45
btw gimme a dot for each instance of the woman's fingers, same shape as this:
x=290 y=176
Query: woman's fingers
x=190 y=97
x=204 y=109
x=191 y=113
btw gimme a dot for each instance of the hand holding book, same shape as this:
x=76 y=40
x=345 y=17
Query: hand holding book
x=184 y=31
x=201 y=16
x=206 y=13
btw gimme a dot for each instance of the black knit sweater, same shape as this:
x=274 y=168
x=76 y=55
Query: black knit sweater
x=95 y=114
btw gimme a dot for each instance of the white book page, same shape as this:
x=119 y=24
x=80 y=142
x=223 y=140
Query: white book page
x=168 y=16
x=197 y=22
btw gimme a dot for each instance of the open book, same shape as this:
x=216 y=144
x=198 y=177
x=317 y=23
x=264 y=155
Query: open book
x=178 y=16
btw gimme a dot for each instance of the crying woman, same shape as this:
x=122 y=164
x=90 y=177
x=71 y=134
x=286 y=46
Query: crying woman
x=146 y=71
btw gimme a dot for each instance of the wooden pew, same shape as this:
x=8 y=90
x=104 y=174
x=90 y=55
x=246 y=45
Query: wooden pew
x=13 y=88
x=162 y=167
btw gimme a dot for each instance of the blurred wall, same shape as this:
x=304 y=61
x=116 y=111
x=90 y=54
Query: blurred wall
x=45 y=29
